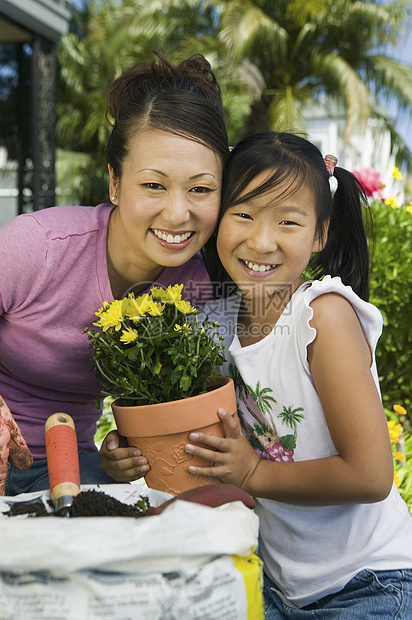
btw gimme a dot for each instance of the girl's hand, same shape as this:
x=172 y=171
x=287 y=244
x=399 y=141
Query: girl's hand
x=124 y=464
x=232 y=458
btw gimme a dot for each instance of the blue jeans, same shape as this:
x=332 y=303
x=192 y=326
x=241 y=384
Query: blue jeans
x=370 y=594
x=37 y=477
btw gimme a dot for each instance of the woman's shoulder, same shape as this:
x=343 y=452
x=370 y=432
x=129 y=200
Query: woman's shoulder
x=69 y=221
x=58 y=221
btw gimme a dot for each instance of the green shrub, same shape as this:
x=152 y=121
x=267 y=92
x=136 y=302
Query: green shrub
x=391 y=292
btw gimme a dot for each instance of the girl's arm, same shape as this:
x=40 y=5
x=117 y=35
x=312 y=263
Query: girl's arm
x=362 y=471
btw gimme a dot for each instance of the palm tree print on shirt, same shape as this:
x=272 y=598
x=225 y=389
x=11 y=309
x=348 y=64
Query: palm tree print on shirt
x=262 y=432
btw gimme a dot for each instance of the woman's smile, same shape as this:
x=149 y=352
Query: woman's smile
x=171 y=238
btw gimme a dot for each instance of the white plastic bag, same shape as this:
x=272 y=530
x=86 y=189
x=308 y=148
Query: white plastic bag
x=190 y=561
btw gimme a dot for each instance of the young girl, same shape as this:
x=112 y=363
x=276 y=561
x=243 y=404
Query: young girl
x=335 y=536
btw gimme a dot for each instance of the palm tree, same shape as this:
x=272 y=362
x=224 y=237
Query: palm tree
x=306 y=51
x=105 y=39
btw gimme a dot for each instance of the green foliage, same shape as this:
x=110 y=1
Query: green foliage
x=106 y=422
x=154 y=348
x=391 y=292
x=305 y=51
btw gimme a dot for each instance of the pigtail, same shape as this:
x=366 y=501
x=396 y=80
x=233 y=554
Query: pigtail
x=346 y=251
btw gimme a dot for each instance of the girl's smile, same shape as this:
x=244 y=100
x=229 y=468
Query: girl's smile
x=257 y=269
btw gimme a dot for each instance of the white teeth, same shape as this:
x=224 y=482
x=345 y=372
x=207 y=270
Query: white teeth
x=256 y=267
x=171 y=238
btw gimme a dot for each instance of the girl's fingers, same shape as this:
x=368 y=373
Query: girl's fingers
x=210 y=472
x=211 y=441
x=232 y=430
x=208 y=455
x=230 y=422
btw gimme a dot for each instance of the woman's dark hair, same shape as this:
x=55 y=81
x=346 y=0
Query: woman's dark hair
x=292 y=159
x=184 y=100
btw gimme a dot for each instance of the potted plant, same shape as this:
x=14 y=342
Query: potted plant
x=157 y=359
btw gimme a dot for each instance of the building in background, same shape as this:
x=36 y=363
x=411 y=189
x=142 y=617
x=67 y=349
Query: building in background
x=29 y=33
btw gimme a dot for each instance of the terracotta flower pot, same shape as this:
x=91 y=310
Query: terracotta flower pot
x=161 y=431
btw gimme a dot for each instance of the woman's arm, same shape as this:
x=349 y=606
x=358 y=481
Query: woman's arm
x=362 y=471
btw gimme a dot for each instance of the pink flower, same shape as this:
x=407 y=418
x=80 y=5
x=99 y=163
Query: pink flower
x=371 y=181
x=275 y=452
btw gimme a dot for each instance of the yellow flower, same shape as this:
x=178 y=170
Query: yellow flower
x=394 y=431
x=111 y=315
x=182 y=328
x=399 y=456
x=409 y=208
x=174 y=294
x=185 y=307
x=156 y=309
x=129 y=335
x=392 y=201
x=399 y=409
x=102 y=309
x=159 y=293
x=136 y=308
x=397 y=174
x=396 y=479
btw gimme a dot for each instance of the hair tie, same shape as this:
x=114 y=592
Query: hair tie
x=330 y=163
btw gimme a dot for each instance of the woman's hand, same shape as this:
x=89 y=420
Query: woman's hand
x=122 y=462
x=232 y=458
x=13 y=448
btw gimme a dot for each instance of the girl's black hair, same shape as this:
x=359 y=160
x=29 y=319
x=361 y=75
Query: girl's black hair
x=292 y=158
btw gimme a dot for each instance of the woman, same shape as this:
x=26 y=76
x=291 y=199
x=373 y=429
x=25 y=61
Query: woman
x=165 y=157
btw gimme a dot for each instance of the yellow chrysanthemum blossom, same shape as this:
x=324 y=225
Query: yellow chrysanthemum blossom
x=397 y=174
x=136 y=308
x=396 y=479
x=156 y=308
x=399 y=456
x=182 y=328
x=159 y=293
x=392 y=201
x=394 y=431
x=174 y=294
x=129 y=335
x=111 y=315
x=102 y=309
x=185 y=307
x=399 y=409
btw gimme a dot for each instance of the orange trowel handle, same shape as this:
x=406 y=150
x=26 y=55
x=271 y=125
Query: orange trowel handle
x=62 y=457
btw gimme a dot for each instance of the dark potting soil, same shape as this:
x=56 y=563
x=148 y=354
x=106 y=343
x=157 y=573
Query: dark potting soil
x=86 y=504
